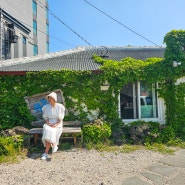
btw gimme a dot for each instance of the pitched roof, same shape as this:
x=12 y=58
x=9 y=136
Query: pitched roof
x=78 y=59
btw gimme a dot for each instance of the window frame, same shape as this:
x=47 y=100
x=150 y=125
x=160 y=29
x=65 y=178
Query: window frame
x=160 y=107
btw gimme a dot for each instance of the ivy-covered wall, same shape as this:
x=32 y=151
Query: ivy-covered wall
x=84 y=86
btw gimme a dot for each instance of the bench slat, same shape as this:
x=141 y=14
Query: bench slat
x=40 y=123
x=66 y=130
x=69 y=130
x=72 y=123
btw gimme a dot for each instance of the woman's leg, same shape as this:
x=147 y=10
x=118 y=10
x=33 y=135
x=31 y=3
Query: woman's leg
x=48 y=145
x=58 y=134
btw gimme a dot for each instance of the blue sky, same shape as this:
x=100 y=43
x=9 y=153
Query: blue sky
x=150 y=18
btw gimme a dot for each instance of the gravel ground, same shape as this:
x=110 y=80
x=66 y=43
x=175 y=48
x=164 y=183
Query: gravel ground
x=78 y=167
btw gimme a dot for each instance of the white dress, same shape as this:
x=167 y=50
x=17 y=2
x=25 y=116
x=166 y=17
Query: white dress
x=51 y=134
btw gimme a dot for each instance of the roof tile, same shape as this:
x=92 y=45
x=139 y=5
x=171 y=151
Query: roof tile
x=79 y=58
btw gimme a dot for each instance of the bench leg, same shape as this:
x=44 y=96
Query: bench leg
x=81 y=138
x=35 y=138
x=74 y=139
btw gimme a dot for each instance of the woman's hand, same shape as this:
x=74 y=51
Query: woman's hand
x=49 y=124
x=52 y=125
x=56 y=124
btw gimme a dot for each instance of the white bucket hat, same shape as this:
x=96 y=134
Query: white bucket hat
x=52 y=95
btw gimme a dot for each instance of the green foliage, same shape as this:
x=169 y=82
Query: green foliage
x=10 y=147
x=175 y=41
x=174 y=94
x=82 y=88
x=81 y=91
x=158 y=147
x=176 y=143
x=167 y=134
x=155 y=132
x=93 y=133
x=65 y=146
x=119 y=131
x=102 y=147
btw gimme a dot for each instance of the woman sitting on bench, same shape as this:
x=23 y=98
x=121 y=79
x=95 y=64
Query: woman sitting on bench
x=53 y=113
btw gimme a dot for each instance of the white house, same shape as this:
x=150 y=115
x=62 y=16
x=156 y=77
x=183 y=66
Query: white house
x=136 y=100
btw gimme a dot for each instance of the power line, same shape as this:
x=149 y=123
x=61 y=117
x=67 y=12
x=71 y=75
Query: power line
x=64 y=42
x=120 y=23
x=44 y=33
x=71 y=29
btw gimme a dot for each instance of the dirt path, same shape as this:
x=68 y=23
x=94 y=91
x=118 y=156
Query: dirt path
x=78 y=167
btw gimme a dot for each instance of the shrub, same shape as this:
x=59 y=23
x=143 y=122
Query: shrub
x=150 y=132
x=167 y=134
x=93 y=133
x=10 y=146
x=119 y=132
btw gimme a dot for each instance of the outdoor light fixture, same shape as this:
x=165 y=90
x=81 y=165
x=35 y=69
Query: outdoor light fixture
x=105 y=86
x=175 y=63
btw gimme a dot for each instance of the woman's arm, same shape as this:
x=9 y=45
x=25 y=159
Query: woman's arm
x=61 y=112
x=47 y=122
x=57 y=123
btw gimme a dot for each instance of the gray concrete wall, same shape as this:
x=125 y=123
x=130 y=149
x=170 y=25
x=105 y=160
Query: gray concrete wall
x=41 y=25
x=22 y=11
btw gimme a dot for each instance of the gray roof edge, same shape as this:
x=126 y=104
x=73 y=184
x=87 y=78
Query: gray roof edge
x=125 y=47
x=23 y=60
x=12 y=62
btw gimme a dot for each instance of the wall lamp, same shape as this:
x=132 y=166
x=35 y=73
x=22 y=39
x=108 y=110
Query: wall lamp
x=105 y=86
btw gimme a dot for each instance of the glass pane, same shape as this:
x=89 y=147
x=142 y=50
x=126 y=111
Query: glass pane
x=128 y=102
x=34 y=5
x=24 y=40
x=47 y=47
x=35 y=50
x=47 y=14
x=35 y=27
x=47 y=29
x=148 y=103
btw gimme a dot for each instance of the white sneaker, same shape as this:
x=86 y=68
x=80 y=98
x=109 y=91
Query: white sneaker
x=44 y=156
x=54 y=149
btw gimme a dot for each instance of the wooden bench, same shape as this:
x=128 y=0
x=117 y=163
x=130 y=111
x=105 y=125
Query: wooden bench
x=35 y=104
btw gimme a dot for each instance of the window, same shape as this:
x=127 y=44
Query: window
x=47 y=29
x=138 y=101
x=24 y=40
x=35 y=27
x=47 y=47
x=34 y=5
x=47 y=14
x=24 y=46
x=35 y=50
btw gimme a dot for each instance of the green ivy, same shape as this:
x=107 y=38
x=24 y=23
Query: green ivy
x=82 y=88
